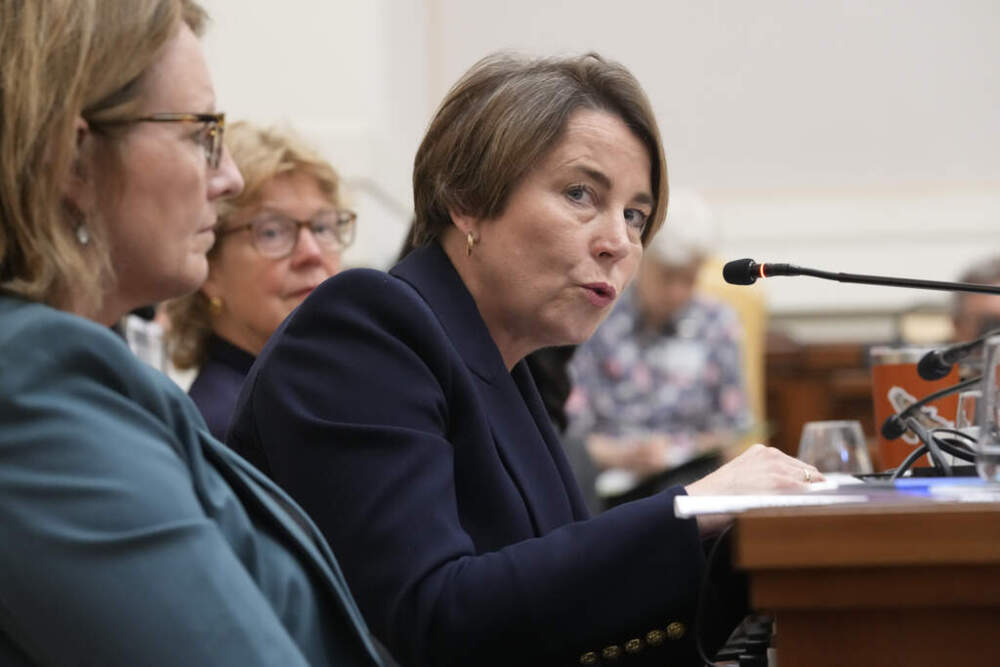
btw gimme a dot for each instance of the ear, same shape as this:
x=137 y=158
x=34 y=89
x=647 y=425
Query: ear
x=464 y=222
x=79 y=186
x=211 y=287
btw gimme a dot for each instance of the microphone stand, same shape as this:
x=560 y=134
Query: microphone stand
x=889 y=281
x=746 y=272
x=895 y=425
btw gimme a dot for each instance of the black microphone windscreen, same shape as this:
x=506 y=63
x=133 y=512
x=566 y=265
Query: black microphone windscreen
x=893 y=427
x=932 y=367
x=740 y=272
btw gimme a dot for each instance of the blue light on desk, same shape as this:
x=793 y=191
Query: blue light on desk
x=970 y=489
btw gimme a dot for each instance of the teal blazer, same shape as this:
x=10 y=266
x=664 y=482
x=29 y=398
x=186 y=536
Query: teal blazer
x=130 y=536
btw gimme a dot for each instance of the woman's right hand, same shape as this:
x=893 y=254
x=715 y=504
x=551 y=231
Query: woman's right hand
x=759 y=469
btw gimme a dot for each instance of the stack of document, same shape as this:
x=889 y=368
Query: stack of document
x=838 y=489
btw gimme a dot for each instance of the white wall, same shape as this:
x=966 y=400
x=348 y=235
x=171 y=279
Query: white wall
x=845 y=135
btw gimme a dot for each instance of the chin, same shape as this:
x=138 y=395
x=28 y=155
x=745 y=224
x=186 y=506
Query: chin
x=187 y=281
x=576 y=335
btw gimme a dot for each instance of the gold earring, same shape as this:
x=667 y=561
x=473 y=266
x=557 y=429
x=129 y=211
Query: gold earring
x=215 y=305
x=470 y=243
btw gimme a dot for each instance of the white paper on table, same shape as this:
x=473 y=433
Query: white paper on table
x=686 y=507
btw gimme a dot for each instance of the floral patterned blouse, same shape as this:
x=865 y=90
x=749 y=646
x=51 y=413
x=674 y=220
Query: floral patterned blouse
x=683 y=380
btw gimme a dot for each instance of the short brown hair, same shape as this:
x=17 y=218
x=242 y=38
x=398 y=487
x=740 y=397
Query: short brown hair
x=261 y=154
x=503 y=117
x=64 y=59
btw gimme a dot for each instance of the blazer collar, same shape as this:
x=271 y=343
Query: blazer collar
x=256 y=489
x=520 y=425
x=429 y=271
x=221 y=350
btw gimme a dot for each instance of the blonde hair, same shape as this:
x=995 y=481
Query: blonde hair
x=261 y=154
x=503 y=117
x=62 y=60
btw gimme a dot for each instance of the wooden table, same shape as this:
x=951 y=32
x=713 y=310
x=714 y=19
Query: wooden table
x=877 y=584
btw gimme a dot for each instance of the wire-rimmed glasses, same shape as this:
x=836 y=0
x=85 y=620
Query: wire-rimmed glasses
x=275 y=235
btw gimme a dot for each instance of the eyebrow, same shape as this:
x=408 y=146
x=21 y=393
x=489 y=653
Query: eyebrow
x=605 y=182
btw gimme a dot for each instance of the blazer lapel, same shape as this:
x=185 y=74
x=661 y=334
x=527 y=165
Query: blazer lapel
x=257 y=490
x=518 y=435
x=526 y=455
x=529 y=390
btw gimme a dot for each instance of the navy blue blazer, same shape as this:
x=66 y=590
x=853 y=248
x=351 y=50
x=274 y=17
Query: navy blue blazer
x=130 y=536
x=384 y=407
x=218 y=383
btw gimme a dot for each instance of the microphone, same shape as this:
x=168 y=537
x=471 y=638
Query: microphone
x=747 y=271
x=937 y=363
x=896 y=425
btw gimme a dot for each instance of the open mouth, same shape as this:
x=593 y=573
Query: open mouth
x=600 y=294
x=605 y=290
x=602 y=289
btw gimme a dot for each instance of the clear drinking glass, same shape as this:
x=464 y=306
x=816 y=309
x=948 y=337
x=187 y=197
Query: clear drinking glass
x=988 y=444
x=968 y=405
x=835 y=446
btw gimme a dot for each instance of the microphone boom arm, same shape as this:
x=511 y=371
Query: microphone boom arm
x=886 y=280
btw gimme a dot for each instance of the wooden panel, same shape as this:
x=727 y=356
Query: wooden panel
x=898 y=581
x=877 y=588
x=875 y=534
x=812 y=383
x=919 y=638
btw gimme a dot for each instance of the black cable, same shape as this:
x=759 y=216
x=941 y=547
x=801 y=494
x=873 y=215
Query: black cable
x=960 y=451
x=894 y=425
x=932 y=447
x=956 y=449
x=954 y=431
x=699 y=614
x=908 y=461
x=954 y=446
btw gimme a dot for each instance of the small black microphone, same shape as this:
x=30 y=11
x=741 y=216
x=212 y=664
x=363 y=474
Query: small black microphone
x=937 y=363
x=895 y=425
x=747 y=271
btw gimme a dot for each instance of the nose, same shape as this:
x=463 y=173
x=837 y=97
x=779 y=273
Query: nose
x=307 y=249
x=226 y=180
x=611 y=241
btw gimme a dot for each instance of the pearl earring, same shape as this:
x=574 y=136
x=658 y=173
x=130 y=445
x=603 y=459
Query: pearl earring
x=82 y=234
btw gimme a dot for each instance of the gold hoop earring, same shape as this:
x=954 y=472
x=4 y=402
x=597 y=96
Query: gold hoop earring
x=215 y=305
x=470 y=243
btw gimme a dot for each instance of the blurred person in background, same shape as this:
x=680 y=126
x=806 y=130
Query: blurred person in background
x=130 y=536
x=398 y=408
x=972 y=314
x=276 y=242
x=658 y=390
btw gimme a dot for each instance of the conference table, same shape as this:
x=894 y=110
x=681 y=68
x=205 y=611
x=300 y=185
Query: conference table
x=897 y=580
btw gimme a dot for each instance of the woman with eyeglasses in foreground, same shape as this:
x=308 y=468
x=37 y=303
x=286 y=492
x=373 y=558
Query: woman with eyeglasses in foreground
x=275 y=243
x=130 y=535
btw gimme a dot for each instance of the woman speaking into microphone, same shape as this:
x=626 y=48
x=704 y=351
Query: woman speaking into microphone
x=397 y=408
